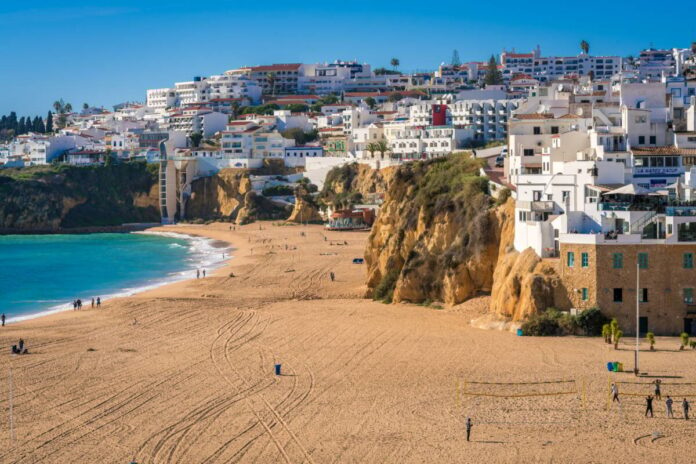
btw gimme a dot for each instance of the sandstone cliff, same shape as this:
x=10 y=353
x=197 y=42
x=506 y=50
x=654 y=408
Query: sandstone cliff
x=355 y=183
x=439 y=238
x=306 y=208
x=228 y=195
x=60 y=198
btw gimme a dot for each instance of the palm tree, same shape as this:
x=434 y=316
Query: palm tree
x=382 y=148
x=585 y=46
x=62 y=110
x=372 y=148
x=395 y=63
x=271 y=81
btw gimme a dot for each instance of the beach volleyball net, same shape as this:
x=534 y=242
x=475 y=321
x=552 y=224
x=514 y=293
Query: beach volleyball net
x=555 y=401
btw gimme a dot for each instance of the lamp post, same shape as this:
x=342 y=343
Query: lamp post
x=635 y=370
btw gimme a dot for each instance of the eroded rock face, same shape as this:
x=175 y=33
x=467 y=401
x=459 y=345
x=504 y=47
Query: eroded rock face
x=306 y=209
x=453 y=251
x=221 y=195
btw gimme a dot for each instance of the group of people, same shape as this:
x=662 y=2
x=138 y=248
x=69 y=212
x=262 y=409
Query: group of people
x=669 y=402
x=19 y=348
x=199 y=272
x=77 y=304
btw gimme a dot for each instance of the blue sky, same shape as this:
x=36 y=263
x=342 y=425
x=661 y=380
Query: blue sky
x=105 y=52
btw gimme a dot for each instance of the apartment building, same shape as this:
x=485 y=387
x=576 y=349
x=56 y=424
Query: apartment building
x=554 y=67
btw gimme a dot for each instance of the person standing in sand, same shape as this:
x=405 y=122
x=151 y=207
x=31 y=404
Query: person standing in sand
x=469 y=424
x=98 y=302
x=92 y=302
x=203 y=272
x=685 y=408
x=615 y=393
x=332 y=275
x=669 y=403
x=658 y=394
x=198 y=273
x=2 y=318
x=648 y=406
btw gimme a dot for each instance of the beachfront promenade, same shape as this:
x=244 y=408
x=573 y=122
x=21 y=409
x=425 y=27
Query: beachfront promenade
x=185 y=374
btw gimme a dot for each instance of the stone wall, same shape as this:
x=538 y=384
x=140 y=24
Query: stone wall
x=665 y=278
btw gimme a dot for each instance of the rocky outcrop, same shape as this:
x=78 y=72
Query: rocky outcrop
x=64 y=198
x=354 y=183
x=438 y=238
x=219 y=196
x=305 y=209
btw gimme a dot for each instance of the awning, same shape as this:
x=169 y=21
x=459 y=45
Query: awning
x=630 y=189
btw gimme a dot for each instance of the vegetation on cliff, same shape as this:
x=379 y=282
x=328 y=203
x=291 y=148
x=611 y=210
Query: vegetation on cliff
x=52 y=198
x=436 y=236
x=353 y=183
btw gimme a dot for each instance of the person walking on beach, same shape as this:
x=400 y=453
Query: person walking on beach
x=658 y=394
x=669 y=403
x=203 y=272
x=685 y=408
x=648 y=406
x=92 y=302
x=198 y=273
x=74 y=305
x=615 y=393
x=469 y=424
x=332 y=275
x=98 y=302
x=2 y=318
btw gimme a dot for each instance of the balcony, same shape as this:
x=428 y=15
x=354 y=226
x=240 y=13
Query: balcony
x=536 y=206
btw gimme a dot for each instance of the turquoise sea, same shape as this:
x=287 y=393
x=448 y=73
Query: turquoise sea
x=45 y=273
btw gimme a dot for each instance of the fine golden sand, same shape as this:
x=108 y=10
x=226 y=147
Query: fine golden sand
x=184 y=374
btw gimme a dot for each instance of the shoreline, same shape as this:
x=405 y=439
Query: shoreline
x=148 y=286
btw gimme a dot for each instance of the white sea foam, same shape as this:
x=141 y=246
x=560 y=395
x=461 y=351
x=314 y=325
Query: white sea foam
x=205 y=253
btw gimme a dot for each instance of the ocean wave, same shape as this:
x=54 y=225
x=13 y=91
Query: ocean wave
x=203 y=254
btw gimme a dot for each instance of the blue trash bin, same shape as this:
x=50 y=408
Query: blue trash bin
x=277 y=369
x=610 y=366
x=519 y=332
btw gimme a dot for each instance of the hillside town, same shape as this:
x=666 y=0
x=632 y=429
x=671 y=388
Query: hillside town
x=599 y=152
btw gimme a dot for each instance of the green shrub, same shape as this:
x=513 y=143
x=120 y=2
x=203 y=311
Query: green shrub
x=684 y=340
x=606 y=333
x=503 y=196
x=591 y=322
x=278 y=190
x=385 y=289
x=651 y=339
x=544 y=324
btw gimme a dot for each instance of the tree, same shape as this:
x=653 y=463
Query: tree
x=371 y=102
x=372 y=148
x=301 y=137
x=395 y=63
x=297 y=108
x=684 y=340
x=196 y=138
x=85 y=106
x=456 y=62
x=382 y=148
x=651 y=339
x=617 y=338
x=271 y=81
x=493 y=75
x=585 y=47
x=20 y=127
x=62 y=110
x=395 y=97
x=606 y=333
x=49 y=122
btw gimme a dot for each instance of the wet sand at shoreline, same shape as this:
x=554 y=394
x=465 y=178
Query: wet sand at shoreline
x=192 y=380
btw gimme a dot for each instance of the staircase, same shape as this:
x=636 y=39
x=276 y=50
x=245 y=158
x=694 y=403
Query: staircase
x=638 y=226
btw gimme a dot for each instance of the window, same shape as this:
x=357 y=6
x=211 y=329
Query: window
x=571 y=259
x=689 y=295
x=688 y=260
x=641 y=140
x=528 y=152
x=618 y=260
x=643 y=260
x=554 y=129
x=643 y=295
x=618 y=295
x=585 y=260
x=537 y=130
x=653 y=140
x=584 y=294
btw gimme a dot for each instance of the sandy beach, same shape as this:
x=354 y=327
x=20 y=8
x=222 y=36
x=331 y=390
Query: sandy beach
x=184 y=374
